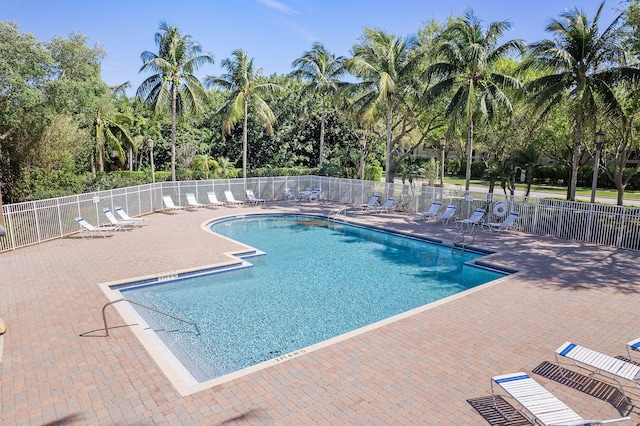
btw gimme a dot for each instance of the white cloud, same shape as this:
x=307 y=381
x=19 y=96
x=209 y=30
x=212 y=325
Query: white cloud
x=279 y=6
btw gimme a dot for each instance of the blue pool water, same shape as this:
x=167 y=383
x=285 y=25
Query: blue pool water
x=318 y=280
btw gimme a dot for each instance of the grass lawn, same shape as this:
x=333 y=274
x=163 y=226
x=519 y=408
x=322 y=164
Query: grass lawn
x=560 y=190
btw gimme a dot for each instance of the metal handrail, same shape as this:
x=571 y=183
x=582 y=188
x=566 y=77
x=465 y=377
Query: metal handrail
x=104 y=315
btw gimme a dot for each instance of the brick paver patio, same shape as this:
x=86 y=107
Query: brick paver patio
x=430 y=368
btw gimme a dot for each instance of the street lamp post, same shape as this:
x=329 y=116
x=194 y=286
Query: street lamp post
x=443 y=143
x=363 y=145
x=596 y=165
x=153 y=172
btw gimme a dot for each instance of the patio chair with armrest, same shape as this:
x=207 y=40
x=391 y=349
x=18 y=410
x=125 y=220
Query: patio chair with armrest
x=505 y=224
x=87 y=228
x=473 y=220
x=125 y=216
x=231 y=199
x=448 y=214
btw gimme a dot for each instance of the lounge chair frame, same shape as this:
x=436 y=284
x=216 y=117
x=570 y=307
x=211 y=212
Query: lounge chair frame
x=169 y=205
x=538 y=404
x=123 y=224
x=385 y=207
x=252 y=199
x=213 y=200
x=373 y=201
x=125 y=216
x=231 y=199
x=448 y=215
x=509 y=222
x=473 y=220
x=86 y=227
x=599 y=364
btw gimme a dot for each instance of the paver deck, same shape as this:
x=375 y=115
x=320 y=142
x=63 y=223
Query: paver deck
x=421 y=370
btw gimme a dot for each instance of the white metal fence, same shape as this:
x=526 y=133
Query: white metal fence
x=37 y=221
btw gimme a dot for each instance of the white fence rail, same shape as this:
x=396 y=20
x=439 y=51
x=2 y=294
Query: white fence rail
x=38 y=221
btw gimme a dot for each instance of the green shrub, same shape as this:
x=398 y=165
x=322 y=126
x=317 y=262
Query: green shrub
x=373 y=173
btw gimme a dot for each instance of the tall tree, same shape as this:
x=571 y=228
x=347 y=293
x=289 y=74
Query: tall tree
x=582 y=65
x=323 y=70
x=384 y=63
x=466 y=71
x=246 y=88
x=173 y=85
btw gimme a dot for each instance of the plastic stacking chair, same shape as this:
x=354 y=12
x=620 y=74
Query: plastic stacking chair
x=86 y=228
x=539 y=405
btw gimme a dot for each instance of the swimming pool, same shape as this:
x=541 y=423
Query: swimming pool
x=318 y=279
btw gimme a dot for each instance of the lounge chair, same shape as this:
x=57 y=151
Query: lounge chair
x=125 y=216
x=473 y=220
x=371 y=203
x=86 y=227
x=448 y=214
x=633 y=345
x=289 y=194
x=123 y=224
x=539 y=405
x=193 y=203
x=433 y=210
x=168 y=204
x=314 y=194
x=252 y=198
x=231 y=200
x=213 y=200
x=388 y=204
x=599 y=363
x=505 y=224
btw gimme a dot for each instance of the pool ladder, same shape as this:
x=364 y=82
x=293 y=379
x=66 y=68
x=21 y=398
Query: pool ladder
x=104 y=315
x=460 y=240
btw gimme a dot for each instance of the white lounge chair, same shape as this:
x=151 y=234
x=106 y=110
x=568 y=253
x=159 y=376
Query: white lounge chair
x=231 y=200
x=448 y=214
x=371 y=203
x=633 y=345
x=125 y=216
x=599 y=363
x=252 y=198
x=192 y=202
x=289 y=194
x=433 y=210
x=213 y=200
x=123 y=224
x=505 y=224
x=168 y=203
x=385 y=207
x=473 y=220
x=539 y=405
x=86 y=227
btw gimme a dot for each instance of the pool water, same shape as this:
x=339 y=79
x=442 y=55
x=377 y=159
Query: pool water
x=318 y=280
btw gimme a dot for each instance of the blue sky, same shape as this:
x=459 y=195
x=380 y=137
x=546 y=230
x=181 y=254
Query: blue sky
x=273 y=32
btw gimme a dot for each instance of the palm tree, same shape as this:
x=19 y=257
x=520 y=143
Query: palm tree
x=384 y=63
x=206 y=163
x=111 y=131
x=583 y=65
x=246 y=87
x=173 y=85
x=225 y=168
x=466 y=66
x=323 y=71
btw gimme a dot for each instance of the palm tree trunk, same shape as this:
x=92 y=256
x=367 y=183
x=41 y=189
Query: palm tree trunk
x=244 y=145
x=174 y=100
x=389 y=163
x=576 y=157
x=324 y=115
x=469 y=154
